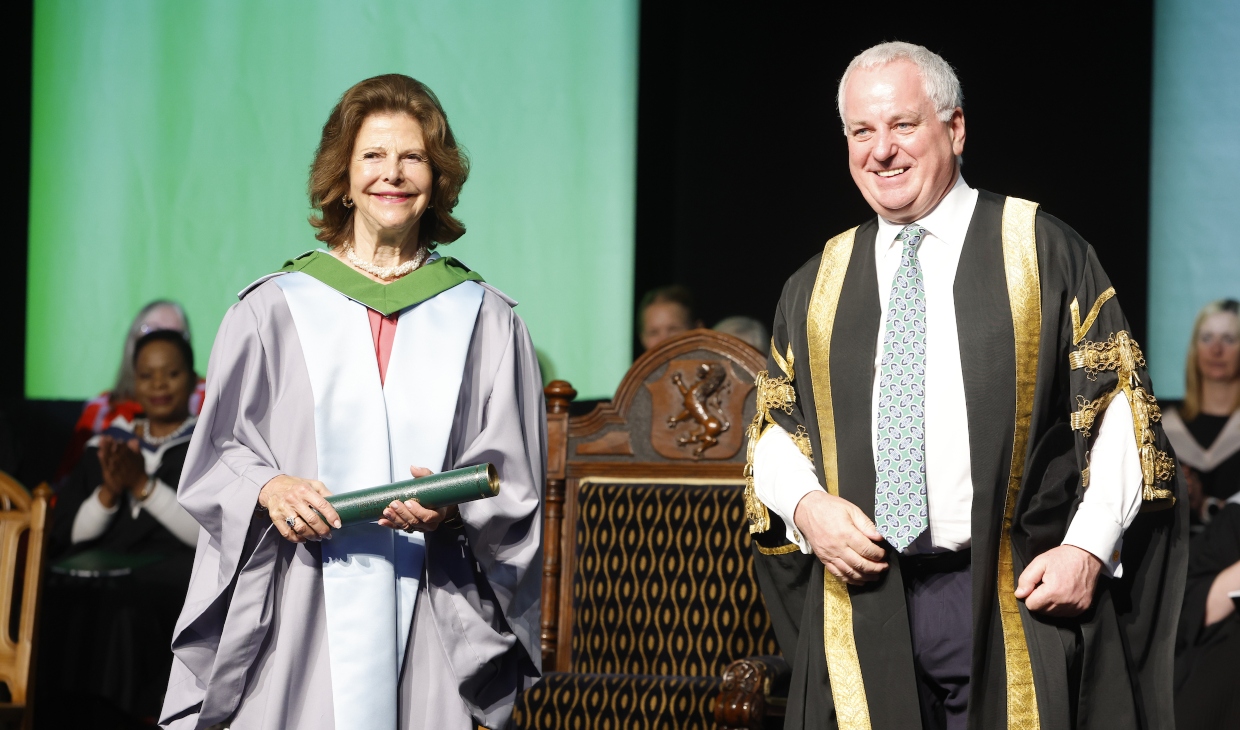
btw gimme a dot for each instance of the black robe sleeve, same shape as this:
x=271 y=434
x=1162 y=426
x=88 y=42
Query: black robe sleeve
x=782 y=570
x=75 y=490
x=1119 y=655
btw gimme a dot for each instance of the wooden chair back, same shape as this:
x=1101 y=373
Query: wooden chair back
x=22 y=515
x=678 y=417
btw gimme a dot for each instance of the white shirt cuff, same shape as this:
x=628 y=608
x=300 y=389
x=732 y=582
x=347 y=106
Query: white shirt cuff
x=92 y=519
x=782 y=476
x=1094 y=530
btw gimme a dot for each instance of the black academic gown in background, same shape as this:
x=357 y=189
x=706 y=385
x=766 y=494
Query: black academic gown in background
x=105 y=642
x=1108 y=668
x=1207 y=692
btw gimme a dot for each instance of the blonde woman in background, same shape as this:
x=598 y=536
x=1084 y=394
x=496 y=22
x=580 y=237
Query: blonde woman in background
x=1205 y=429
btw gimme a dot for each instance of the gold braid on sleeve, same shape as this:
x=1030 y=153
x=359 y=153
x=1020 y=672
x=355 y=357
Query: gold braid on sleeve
x=1121 y=354
x=772 y=394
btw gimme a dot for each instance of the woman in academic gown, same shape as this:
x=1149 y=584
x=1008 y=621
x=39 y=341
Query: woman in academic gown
x=1207 y=692
x=1205 y=428
x=121 y=551
x=349 y=368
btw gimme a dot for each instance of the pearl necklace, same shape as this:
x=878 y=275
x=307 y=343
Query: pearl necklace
x=160 y=440
x=389 y=272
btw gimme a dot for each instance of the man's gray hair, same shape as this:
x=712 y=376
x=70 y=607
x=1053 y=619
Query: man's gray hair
x=937 y=76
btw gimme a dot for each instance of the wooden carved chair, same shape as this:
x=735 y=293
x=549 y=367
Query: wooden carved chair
x=650 y=606
x=23 y=537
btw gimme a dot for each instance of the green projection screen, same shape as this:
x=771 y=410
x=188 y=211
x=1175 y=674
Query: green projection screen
x=1194 y=175
x=171 y=143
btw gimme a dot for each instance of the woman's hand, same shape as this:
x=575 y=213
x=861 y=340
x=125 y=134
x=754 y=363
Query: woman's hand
x=123 y=470
x=410 y=516
x=1218 y=604
x=287 y=497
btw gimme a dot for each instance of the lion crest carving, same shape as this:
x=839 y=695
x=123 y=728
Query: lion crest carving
x=700 y=403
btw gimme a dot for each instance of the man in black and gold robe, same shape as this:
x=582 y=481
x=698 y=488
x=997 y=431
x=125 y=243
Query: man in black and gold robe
x=965 y=507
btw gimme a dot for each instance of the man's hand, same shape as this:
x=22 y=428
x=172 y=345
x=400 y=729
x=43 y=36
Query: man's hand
x=1060 y=581
x=842 y=537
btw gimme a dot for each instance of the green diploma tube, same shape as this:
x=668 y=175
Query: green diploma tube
x=432 y=492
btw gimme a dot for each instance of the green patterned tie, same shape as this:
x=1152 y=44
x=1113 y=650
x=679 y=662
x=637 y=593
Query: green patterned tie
x=901 y=511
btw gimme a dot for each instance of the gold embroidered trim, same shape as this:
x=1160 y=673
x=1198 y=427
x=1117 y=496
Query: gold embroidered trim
x=1020 y=263
x=801 y=439
x=1120 y=353
x=1087 y=412
x=1079 y=330
x=852 y=709
x=772 y=393
x=1085 y=478
x=781 y=550
x=784 y=364
x=1157 y=467
x=1123 y=355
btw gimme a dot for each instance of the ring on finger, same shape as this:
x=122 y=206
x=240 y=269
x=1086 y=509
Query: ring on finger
x=291 y=521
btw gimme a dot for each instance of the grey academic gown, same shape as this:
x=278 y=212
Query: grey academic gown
x=251 y=644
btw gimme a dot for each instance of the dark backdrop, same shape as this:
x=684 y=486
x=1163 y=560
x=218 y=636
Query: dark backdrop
x=742 y=171
x=15 y=417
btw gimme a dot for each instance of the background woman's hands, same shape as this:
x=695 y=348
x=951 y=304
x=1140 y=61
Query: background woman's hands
x=123 y=470
x=286 y=496
x=410 y=516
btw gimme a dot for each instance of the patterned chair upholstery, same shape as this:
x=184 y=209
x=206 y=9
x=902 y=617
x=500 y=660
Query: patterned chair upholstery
x=649 y=593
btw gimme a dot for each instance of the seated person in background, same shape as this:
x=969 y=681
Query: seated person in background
x=100 y=411
x=754 y=333
x=1208 y=646
x=121 y=552
x=1205 y=430
x=663 y=313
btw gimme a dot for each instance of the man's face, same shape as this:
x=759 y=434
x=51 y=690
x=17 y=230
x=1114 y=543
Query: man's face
x=902 y=158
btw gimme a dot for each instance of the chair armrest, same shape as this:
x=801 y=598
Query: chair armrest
x=754 y=688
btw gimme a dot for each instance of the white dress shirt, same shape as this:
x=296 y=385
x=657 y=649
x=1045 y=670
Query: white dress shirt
x=782 y=475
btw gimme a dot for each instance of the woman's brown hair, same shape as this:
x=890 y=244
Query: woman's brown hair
x=329 y=175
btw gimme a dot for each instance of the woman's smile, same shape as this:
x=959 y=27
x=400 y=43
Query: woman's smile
x=392 y=197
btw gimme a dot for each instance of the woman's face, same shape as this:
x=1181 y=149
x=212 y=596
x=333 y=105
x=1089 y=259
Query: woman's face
x=390 y=174
x=163 y=383
x=1218 y=347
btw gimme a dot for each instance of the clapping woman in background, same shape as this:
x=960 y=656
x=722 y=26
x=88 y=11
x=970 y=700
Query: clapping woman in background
x=119 y=402
x=121 y=552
